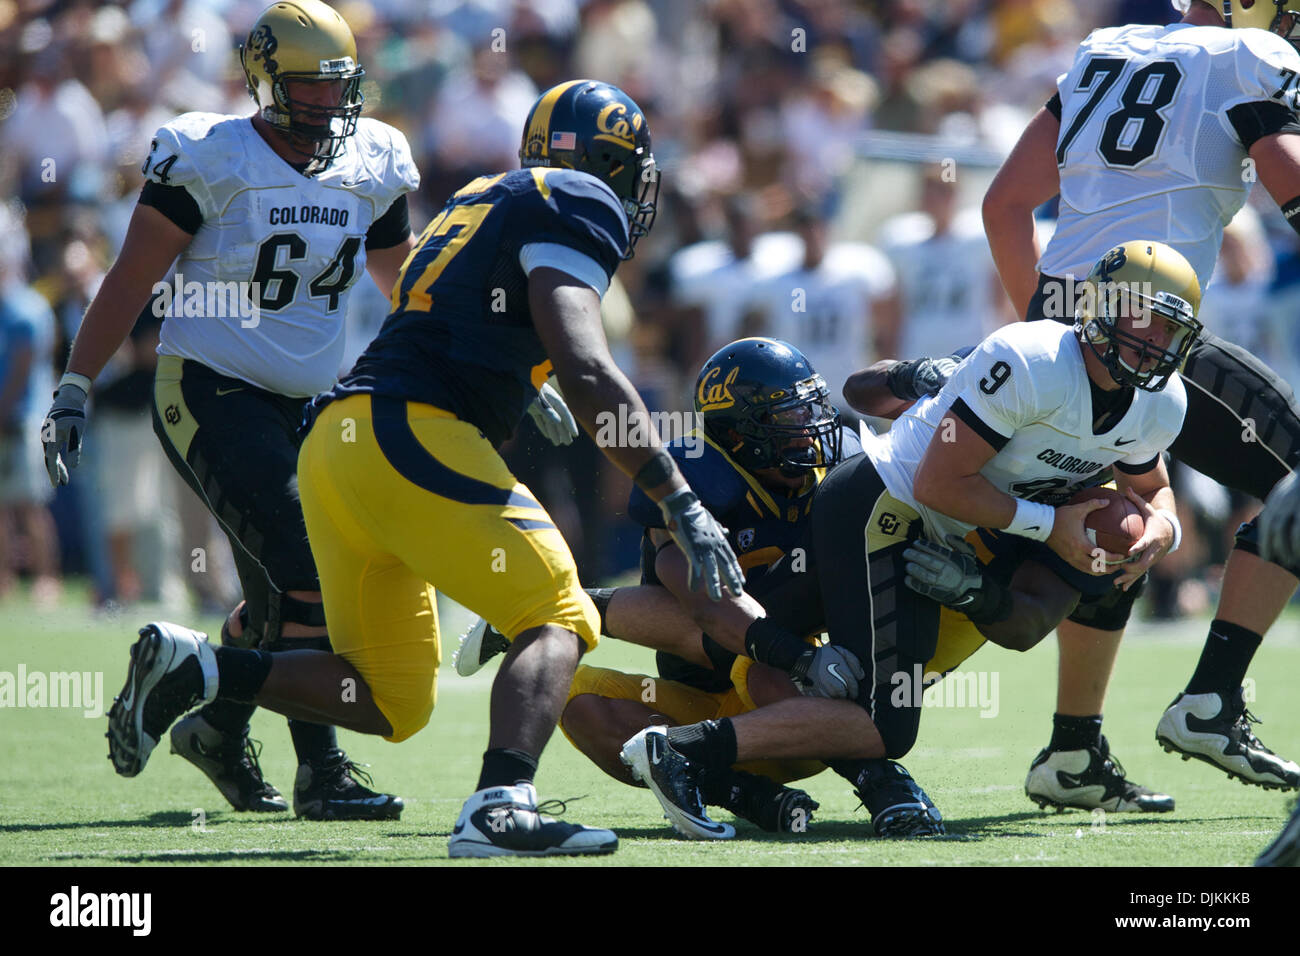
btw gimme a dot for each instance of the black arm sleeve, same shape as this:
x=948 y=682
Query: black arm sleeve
x=175 y=203
x=1140 y=469
x=391 y=228
x=959 y=409
x=1053 y=105
x=1259 y=118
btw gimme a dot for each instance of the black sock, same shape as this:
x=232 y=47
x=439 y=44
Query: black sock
x=855 y=770
x=1228 y=651
x=312 y=742
x=711 y=744
x=505 y=768
x=241 y=674
x=1075 y=733
x=228 y=716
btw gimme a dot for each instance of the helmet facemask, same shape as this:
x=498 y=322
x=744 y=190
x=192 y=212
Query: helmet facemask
x=805 y=417
x=1120 y=304
x=642 y=207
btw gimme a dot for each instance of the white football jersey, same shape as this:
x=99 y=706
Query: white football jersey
x=1146 y=148
x=302 y=240
x=1028 y=386
x=946 y=282
x=826 y=312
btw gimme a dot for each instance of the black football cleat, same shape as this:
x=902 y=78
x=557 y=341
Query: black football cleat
x=338 y=789
x=899 y=808
x=172 y=669
x=507 y=821
x=671 y=778
x=1285 y=849
x=230 y=762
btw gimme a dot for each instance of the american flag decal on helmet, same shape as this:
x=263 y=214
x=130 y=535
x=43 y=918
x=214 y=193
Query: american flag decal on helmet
x=563 y=140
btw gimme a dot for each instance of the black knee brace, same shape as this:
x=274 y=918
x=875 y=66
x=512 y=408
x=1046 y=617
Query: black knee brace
x=1248 y=540
x=1110 y=611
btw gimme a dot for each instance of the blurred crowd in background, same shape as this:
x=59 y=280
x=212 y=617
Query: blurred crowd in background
x=822 y=166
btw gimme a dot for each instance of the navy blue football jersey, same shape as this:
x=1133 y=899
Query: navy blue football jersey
x=460 y=335
x=762 y=525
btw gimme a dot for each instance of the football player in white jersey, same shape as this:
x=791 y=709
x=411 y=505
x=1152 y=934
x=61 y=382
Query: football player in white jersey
x=1159 y=132
x=1035 y=413
x=270 y=219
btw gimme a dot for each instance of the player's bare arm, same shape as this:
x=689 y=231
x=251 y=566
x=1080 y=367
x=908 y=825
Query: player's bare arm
x=725 y=621
x=384 y=265
x=152 y=244
x=949 y=481
x=566 y=314
x=1026 y=180
x=1277 y=163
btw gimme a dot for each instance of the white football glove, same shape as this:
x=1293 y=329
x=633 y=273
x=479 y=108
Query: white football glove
x=552 y=416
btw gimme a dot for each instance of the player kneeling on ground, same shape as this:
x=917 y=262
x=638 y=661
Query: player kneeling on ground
x=1031 y=411
x=403 y=490
x=767 y=438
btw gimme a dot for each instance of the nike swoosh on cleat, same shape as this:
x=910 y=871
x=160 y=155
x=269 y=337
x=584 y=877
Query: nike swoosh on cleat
x=1124 y=441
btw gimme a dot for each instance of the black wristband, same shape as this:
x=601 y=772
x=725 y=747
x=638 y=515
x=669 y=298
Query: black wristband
x=769 y=643
x=1291 y=212
x=991 y=604
x=655 y=471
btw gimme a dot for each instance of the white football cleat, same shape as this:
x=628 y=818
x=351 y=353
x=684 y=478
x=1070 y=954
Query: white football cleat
x=671 y=778
x=1217 y=731
x=172 y=669
x=478 y=645
x=1089 y=780
x=506 y=821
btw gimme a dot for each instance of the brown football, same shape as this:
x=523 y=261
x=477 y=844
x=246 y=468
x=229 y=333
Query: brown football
x=1115 y=527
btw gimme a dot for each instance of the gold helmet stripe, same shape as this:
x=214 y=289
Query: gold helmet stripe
x=539 y=124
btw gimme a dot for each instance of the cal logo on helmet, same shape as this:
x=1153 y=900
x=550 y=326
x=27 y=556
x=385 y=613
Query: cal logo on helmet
x=615 y=127
x=714 y=395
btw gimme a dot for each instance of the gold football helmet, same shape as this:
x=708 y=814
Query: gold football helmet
x=1276 y=16
x=299 y=42
x=1132 y=288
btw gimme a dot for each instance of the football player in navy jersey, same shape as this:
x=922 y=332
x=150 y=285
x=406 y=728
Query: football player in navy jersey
x=768 y=435
x=403 y=490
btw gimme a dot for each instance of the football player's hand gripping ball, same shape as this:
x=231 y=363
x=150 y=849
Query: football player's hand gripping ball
x=552 y=416
x=62 y=431
x=704 y=542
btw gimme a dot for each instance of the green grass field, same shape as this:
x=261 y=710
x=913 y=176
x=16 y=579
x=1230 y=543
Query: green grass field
x=61 y=804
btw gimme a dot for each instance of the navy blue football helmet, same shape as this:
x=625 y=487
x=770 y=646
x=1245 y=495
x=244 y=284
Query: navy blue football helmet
x=597 y=128
x=761 y=401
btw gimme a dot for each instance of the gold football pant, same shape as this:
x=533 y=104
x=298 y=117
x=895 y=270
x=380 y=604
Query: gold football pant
x=401 y=498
